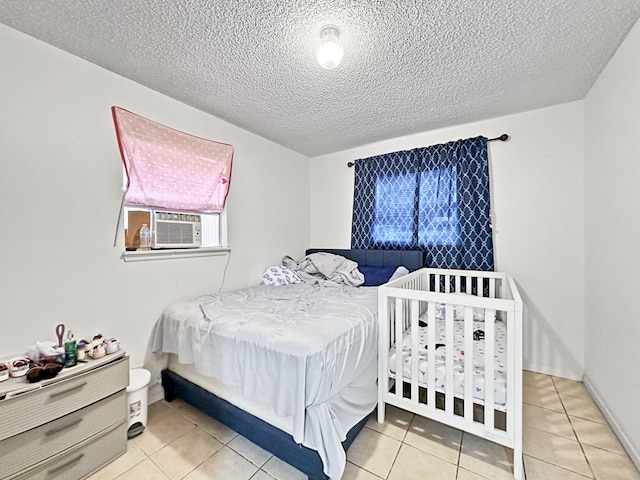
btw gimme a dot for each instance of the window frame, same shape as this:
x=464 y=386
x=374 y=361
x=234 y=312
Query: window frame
x=163 y=253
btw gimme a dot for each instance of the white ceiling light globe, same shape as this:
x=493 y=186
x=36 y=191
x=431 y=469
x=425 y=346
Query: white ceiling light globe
x=329 y=52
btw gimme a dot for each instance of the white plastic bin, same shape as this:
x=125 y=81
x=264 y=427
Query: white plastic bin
x=137 y=395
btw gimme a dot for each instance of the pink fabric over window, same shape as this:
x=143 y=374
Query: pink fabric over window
x=170 y=169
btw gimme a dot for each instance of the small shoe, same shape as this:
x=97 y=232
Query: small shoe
x=18 y=367
x=96 y=340
x=112 y=345
x=97 y=351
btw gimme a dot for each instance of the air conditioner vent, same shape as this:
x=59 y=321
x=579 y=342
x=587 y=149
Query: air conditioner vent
x=176 y=230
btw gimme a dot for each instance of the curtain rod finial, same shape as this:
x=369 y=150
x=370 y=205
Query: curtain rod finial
x=350 y=164
x=503 y=138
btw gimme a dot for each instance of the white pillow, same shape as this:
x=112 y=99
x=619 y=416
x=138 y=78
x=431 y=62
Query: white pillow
x=399 y=273
x=279 y=275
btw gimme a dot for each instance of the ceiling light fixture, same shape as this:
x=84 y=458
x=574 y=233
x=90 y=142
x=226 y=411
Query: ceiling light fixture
x=329 y=52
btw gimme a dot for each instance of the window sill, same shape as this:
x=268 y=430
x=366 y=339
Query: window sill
x=163 y=254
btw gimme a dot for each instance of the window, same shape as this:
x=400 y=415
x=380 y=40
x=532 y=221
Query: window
x=437 y=220
x=174 y=182
x=434 y=199
x=213 y=226
x=394 y=207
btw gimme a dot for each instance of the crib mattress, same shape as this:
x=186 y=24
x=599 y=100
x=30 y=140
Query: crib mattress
x=500 y=371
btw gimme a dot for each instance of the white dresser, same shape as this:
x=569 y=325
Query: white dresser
x=67 y=427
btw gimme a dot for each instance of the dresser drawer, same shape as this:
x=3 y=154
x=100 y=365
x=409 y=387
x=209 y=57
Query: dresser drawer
x=57 y=399
x=83 y=460
x=34 y=446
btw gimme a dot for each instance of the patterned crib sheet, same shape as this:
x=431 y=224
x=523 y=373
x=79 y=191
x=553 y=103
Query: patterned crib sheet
x=500 y=370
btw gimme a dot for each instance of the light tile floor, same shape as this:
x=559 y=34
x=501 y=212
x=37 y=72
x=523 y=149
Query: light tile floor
x=565 y=438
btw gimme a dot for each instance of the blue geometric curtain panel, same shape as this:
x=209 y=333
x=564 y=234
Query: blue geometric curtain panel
x=434 y=199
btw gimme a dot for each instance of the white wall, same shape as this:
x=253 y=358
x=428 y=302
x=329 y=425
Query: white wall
x=537 y=184
x=612 y=232
x=60 y=192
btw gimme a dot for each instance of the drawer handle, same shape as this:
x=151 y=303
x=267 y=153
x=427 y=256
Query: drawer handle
x=28 y=389
x=53 y=431
x=64 y=465
x=67 y=390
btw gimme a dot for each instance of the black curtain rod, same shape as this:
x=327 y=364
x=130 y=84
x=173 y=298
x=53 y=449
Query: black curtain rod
x=503 y=138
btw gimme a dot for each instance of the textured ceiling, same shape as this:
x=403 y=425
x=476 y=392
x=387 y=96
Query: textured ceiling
x=408 y=67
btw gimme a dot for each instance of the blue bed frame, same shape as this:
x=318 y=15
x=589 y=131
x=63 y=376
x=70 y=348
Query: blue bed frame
x=261 y=433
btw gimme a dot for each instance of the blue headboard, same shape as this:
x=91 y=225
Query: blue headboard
x=411 y=259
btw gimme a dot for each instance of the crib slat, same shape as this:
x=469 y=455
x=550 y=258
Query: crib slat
x=415 y=350
x=431 y=355
x=384 y=318
x=515 y=359
x=399 y=346
x=489 y=362
x=449 y=352
x=468 y=364
x=492 y=287
x=511 y=375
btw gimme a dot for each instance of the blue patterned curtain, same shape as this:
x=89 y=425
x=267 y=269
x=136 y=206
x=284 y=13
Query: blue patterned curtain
x=434 y=199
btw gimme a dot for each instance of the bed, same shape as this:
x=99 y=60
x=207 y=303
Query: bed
x=293 y=368
x=454 y=338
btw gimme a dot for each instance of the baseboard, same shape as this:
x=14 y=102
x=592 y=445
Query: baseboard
x=553 y=371
x=156 y=393
x=633 y=453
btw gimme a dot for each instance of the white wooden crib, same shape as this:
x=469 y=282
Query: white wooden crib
x=474 y=385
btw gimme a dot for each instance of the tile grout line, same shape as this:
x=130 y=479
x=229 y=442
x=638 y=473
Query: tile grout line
x=177 y=409
x=369 y=471
x=167 y=473
x=593 y=473
x=224 y=444
x=459 y=455
x=395 y=458
x=401 y=442
x=263 y=471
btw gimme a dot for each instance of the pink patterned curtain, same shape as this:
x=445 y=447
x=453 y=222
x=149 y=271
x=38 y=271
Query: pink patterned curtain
x=171 y=169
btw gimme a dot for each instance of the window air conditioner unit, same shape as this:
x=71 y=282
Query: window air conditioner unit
x=176 y=230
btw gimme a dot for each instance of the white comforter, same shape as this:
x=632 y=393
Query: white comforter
x=309 y=351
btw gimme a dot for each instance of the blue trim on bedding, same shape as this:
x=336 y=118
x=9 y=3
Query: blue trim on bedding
x=411 y=259
x=261 y=433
